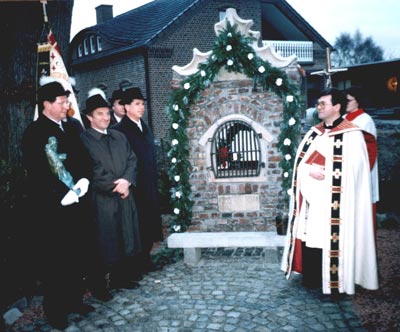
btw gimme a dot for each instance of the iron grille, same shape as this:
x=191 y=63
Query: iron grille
x=235 y=151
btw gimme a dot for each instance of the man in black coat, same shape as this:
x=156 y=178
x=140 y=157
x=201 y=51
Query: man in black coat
x=58 y=168
x=141 y=139
x=114 y=177
x=118 y=110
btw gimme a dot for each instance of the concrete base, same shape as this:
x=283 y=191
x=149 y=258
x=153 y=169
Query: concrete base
x=192 y=242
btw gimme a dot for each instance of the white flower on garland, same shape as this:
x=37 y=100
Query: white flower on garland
x=176 y=211
x=176 y=228
x=203 y=73
x=290 y=192
x=186 y=86
x=288 y=157
x=261 y=69
x=292 y=122
x=230 y=62
x=178 y=194
x=175 y=141
x=286 y=174
x=177 y=178
x=279 y=81
x=229 y=34
x=175 y=107
x=250 y=56
x=229 y=48
x=289 y=99
x=287 y=141
x=175 y=125
x=173 y=160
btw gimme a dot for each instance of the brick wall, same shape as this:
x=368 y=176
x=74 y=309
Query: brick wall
x=235 y=99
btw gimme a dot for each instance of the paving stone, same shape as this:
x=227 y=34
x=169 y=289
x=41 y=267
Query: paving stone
x=231 y=290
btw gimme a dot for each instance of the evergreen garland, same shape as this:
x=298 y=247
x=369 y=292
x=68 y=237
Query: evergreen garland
x=232 y=51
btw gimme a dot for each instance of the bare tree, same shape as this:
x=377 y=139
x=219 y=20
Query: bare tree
x=355 y=50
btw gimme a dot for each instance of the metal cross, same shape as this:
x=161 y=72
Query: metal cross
x=328 y=72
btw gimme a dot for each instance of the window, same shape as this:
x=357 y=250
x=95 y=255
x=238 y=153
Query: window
x=92 y=44
x=85 y=46
x=99 y=45
x=235 y=151
x=80 y=50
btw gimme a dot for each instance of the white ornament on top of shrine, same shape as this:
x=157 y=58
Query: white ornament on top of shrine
x=266 y=53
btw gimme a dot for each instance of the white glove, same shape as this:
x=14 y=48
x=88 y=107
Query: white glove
x=82 y=185
x=70 y=198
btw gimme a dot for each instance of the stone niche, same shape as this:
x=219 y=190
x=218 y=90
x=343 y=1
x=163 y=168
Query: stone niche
x=235 y=203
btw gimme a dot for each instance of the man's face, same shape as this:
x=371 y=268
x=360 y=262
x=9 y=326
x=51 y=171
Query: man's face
x=118 y=109
x=57 y=110
x=135 y=109
x=100 y=118
x=326 y=111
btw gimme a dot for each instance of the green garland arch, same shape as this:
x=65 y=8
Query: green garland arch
x=232 y=51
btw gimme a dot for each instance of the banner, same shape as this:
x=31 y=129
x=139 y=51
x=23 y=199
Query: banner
x=51 y=67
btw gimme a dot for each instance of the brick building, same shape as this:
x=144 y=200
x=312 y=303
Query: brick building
x=142 y=45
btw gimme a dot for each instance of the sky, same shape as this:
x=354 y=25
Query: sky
x=377 y=19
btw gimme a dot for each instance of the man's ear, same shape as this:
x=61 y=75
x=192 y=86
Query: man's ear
x=337 y=107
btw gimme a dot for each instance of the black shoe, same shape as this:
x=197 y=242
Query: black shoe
x=59 y=322
x=103 y=295
x=129 y=284
x=151 y=267
x=82 y=309
x=137 y=277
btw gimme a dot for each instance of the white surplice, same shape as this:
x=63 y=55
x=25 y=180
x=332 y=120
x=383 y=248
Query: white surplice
x=310 y=210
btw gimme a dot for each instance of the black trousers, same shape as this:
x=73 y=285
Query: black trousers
x=312 y=266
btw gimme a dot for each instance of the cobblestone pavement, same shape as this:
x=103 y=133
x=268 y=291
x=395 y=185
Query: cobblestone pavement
x=230 y=290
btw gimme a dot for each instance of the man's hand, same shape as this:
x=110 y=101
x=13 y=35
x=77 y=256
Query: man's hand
x=122 y=187
x=317 y=172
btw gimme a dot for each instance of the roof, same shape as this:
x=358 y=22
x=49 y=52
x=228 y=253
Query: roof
x=140 y=26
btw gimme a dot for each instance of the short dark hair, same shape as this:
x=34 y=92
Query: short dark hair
x=357 y=93
x=337 y=96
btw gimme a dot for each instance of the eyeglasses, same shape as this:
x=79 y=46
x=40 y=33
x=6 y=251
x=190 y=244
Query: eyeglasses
x=66 y=103
x=322 y=104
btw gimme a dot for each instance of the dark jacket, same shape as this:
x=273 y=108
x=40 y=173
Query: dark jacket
x=61 y=235
x=146 y=192
x=116 y=218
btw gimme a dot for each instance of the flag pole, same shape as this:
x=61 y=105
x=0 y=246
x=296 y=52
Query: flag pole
x=44 y=3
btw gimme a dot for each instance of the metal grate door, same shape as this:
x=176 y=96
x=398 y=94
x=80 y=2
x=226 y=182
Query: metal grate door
x=235 y=151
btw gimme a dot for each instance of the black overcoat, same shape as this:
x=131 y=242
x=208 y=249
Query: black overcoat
x=117 y=223
x=146 y=192
x=62 y=236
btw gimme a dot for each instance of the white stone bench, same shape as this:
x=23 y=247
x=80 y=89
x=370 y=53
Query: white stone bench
x=192 y=242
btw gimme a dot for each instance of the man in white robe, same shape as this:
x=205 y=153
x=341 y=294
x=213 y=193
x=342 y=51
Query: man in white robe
x=330 y=237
